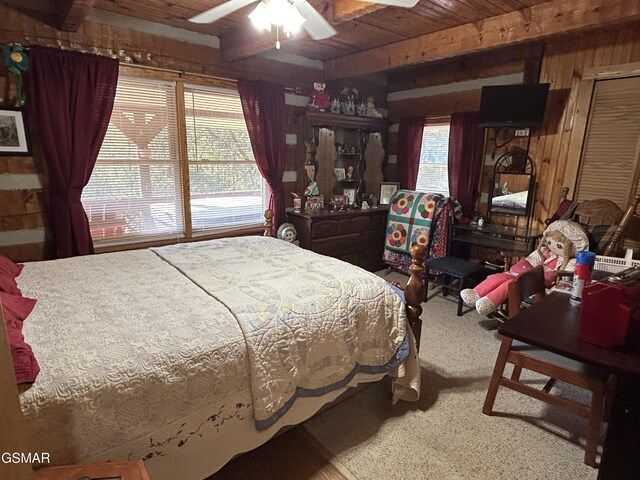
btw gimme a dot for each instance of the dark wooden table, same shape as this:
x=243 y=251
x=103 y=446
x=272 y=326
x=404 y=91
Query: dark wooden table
x=552 y=324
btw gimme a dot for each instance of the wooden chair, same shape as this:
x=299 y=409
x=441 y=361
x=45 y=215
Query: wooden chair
x=557 y=367
x=609 y=227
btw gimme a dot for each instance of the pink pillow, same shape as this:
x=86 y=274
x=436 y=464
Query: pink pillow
x=16 y=309
x=9 y=268
x=8 y=273
x=8 y=285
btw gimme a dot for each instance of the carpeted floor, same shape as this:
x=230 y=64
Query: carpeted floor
x=444 y=435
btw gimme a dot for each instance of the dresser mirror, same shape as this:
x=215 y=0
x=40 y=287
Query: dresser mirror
x=512 y=185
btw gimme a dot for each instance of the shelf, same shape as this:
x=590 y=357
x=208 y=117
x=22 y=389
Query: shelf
x=327 y=119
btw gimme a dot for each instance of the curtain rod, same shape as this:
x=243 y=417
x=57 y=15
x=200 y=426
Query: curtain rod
x=295 y=90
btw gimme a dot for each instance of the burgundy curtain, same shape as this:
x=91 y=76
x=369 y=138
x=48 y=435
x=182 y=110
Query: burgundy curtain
x=265 y=114
x=466 y=144
x=409 y=146
x=70 y=97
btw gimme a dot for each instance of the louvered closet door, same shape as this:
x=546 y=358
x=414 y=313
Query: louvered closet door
x=609 y=165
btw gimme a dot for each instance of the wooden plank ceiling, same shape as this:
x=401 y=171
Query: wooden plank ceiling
x=375 y=38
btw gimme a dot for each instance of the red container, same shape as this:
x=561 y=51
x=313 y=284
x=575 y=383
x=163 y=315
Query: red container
x=607 y=313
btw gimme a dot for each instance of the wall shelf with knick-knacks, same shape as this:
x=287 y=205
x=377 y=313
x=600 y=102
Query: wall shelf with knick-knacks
x=349 y=153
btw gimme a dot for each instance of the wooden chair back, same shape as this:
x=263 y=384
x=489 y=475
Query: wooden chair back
x=525 y=285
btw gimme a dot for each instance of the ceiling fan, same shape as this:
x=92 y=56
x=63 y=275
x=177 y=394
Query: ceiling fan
x=286 y=14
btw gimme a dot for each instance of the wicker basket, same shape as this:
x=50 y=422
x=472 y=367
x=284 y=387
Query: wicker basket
x=615 y=264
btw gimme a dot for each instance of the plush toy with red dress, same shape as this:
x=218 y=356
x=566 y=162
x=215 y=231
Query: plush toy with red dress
x=556 y=252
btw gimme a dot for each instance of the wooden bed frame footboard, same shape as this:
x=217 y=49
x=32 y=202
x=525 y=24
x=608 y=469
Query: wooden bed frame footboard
x=414 y=290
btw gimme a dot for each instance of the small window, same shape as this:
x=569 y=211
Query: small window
x=433 y=175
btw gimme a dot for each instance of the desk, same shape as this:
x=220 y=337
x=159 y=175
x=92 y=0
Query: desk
x=552 y=324
x=518 y=240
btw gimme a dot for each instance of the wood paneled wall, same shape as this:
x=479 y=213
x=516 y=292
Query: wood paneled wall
x=563 y=65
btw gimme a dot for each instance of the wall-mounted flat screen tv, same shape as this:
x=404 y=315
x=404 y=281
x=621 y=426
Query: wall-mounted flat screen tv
x=513 y=106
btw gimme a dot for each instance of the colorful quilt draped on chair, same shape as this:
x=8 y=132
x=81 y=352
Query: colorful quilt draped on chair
x=418 y=217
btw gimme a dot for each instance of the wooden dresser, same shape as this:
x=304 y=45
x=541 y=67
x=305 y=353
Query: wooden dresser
x=356 y=237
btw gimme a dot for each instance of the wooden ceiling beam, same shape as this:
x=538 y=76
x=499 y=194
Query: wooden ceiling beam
x=534 y=23
x=247 y=41
x=71 y=13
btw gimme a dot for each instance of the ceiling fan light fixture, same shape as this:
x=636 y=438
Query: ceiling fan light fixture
x=259 y=17
x=281 y=13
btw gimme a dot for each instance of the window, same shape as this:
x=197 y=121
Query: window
x=433 y=174
x=138 y=189
x=226 y=186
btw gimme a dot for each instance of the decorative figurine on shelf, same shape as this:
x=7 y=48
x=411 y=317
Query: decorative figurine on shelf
x=371 y=108
x=361 y=109
x=365 y=205
x=335 y=105
x=557 y=251
x=349 y=172
x=311 y=190
x=320 y=98
x=348 y=99
x=288 y=233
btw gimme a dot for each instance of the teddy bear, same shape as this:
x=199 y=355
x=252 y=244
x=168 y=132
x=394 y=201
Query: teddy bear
x=556 y=252
x=320 y=98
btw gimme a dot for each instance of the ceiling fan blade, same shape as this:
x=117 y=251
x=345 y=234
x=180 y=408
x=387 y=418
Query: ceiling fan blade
x=216 y=13
x=316 y=25
x=396 y=3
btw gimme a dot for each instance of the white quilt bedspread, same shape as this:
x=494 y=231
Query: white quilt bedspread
x=140 y=361
x=126 y=346
x=310 y=322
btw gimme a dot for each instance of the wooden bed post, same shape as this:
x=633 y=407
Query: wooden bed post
x=268 y=223
x=415 y=290
x=12 y=425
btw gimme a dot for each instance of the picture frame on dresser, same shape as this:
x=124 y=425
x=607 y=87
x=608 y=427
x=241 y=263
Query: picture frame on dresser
x=14 y=133
x=340 y=173
x=387 y=189
x=350 y=193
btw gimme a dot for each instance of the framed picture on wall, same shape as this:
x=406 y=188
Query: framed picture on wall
x=14 y=138
x=386 y=190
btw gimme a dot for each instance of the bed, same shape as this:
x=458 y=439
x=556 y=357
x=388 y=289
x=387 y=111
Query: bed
x=510 y=203
x=190 y=354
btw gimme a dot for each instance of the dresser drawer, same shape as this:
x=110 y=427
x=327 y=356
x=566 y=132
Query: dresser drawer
x=372 y=239
x=372 y=259
x=339 y=226
x=337 y=246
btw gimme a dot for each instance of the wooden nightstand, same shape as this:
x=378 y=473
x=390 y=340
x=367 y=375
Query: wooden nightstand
x=106 y=470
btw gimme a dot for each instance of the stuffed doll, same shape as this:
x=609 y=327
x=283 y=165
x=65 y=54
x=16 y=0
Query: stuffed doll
x=556 y=252
x=320 y=98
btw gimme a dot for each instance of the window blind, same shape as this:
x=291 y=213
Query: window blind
x=134 y=193
x=225 y=185
x=433 y=173
x=609 y=165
